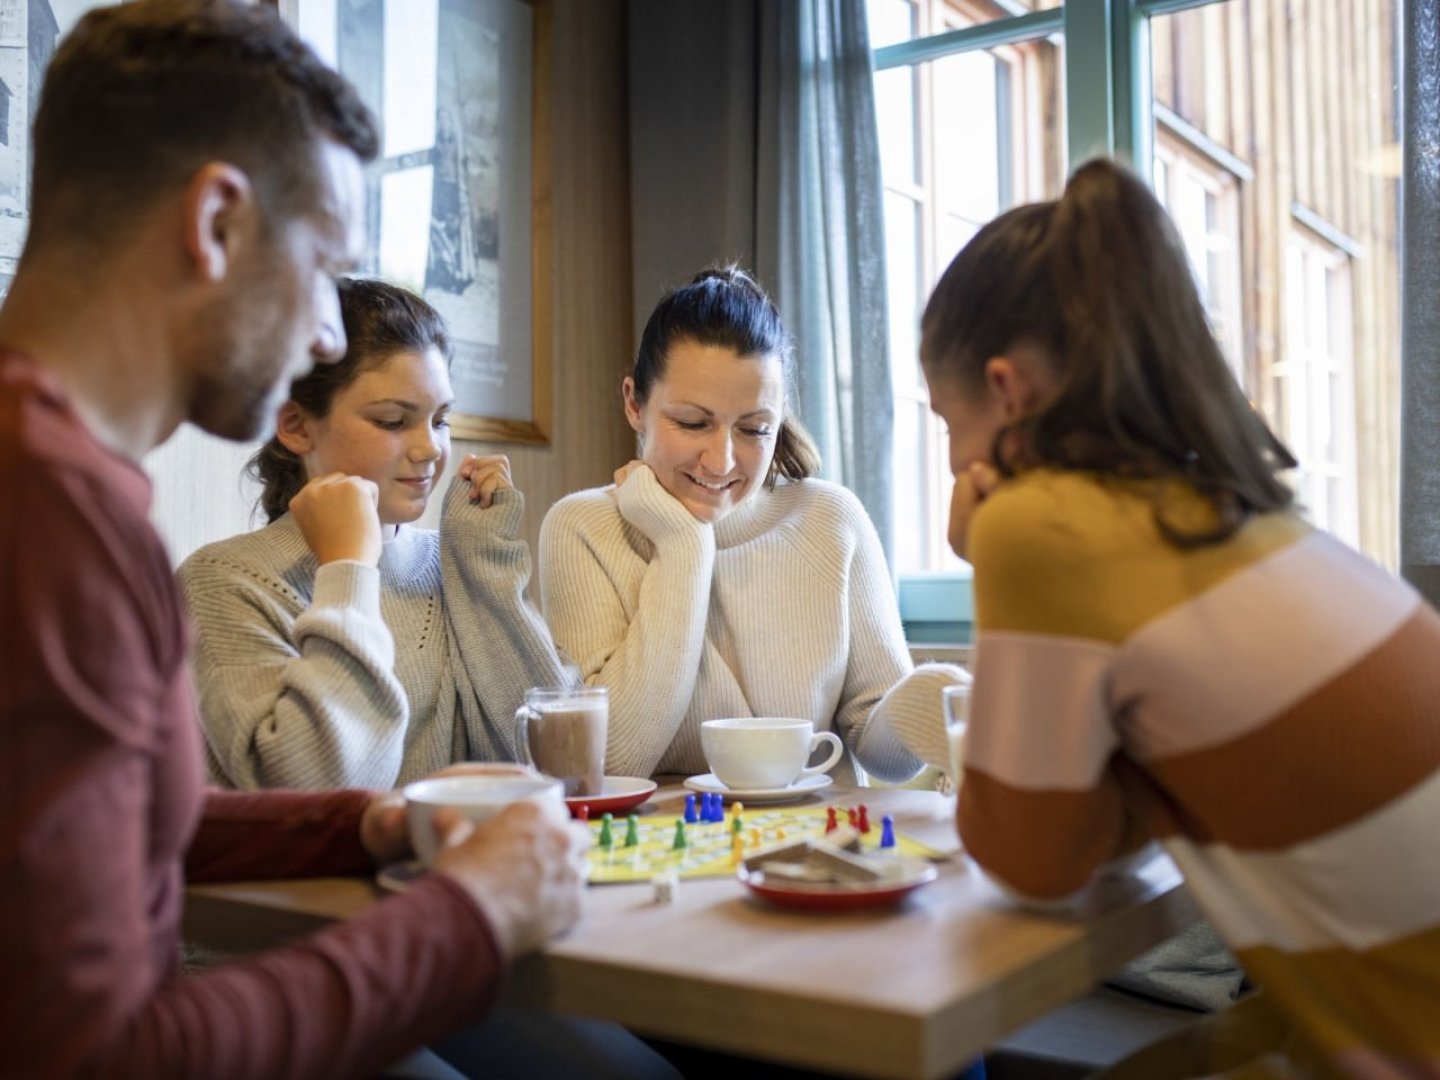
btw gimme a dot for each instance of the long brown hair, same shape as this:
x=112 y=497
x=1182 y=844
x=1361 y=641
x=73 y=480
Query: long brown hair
x=725 y=307
x=380 y=320
x=1099 y=281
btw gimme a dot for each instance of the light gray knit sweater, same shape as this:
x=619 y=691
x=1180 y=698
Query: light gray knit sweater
x=783 y=608
x=353 y=676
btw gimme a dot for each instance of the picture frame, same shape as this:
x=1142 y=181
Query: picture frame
x=459 y=199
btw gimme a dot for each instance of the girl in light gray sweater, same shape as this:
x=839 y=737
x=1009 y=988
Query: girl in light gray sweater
x=340 y=646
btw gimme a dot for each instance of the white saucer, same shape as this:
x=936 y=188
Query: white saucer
x=710 y=783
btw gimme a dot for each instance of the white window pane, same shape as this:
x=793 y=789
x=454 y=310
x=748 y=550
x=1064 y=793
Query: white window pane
x=891 y=21
x=902 y=277
x=895 y=118
x=909 y=501
x=967 y=145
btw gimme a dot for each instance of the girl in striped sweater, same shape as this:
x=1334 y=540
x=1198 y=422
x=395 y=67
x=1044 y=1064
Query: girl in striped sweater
x=1165 y=648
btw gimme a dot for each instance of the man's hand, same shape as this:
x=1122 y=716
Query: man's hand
x=383 y=830
x=339 y=518
x=972 y=487
x=525 y=869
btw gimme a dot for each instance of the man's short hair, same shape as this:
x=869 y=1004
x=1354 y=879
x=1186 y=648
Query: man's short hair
x=141 y=95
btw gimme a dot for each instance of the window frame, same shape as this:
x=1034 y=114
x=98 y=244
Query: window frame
x=1108 y=107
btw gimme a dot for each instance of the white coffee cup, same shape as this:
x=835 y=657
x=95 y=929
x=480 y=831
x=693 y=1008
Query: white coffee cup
x=754 y=753
x=475 y=796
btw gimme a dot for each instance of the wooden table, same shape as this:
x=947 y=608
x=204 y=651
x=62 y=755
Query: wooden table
x=918 y=991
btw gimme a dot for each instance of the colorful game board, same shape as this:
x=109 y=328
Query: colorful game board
x=709 y=850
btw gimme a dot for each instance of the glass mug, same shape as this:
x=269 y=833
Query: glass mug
x=562 y=733
x=956 y=701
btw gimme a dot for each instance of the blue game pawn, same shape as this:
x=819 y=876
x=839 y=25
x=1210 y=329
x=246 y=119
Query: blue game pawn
x=887 y=831
x=690 y=817
x=714 y=809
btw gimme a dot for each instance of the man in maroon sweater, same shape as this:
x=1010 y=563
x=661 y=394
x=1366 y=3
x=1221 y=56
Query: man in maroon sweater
x=197 y=187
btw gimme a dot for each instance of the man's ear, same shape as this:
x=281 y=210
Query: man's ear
x=1014 y=383
x=292 y=428
x=220 y=211
x=632 y=407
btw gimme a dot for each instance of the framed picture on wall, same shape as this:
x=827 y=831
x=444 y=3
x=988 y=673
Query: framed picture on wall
x=29 y=32
x=458 y=199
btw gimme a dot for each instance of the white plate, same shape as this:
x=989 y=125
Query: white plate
x=809 y=785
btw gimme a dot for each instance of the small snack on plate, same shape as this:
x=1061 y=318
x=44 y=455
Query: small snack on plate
x=834 y=861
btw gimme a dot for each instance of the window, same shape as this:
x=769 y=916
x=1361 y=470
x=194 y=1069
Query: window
x=962 y=138
x=1282 y=180
x=1204 y=199
x=1315 y=390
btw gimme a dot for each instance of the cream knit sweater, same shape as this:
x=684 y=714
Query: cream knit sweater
x=783 y=608
x=357 y=676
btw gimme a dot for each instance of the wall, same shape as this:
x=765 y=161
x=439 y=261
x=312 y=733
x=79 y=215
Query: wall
x=199 y=496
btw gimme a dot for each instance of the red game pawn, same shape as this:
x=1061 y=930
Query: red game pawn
x=582 y=812
x=854 y=818
x=864 y=823
x=830 y=823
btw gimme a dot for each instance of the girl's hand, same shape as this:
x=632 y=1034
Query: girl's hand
x=339 y=518
x=972 y=487
x=486 y=476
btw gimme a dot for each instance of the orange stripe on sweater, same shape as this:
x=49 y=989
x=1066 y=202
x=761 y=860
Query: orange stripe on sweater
x=1333 y=758
x=1045 y=844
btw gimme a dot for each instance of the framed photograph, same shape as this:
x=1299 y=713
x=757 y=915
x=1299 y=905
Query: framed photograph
x=29 y=33
x=458 y=202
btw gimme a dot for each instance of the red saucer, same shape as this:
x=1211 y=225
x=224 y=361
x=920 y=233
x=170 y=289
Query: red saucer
x=836 y=897
x=618 y=793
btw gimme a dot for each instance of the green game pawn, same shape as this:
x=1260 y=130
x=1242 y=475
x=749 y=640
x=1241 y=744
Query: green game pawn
x=680 y=842
x=606 y=839
x=632 y=831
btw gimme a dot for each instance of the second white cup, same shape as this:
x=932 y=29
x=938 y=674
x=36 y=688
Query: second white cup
x=475 y=796
x=763 y=753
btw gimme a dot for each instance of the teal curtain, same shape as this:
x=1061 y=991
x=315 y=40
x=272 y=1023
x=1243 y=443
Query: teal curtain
x=1420 y=291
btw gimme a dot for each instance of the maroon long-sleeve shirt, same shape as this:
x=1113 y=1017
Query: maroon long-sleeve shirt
x=101 y=799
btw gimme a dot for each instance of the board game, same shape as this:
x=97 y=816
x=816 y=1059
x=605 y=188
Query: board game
x=710 y=849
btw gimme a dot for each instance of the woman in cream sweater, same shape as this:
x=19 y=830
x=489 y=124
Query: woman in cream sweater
x=718 y=577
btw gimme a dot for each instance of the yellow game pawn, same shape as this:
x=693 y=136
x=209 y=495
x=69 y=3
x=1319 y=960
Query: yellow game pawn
x=737 y=808
x=737 y=849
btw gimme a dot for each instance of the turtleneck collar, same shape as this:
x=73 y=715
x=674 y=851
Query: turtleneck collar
x=756 y=515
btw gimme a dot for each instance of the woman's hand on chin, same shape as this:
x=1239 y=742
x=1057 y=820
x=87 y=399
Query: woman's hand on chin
x=972 y=487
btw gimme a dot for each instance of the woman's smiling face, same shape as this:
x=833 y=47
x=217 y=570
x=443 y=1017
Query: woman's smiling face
x=709 y=425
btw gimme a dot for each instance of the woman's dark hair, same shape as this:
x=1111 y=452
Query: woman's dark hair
x=724 y=307
x=380 y=320
x=1099 y=281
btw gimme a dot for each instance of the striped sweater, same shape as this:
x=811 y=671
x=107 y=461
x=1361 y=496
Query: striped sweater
x=1265 y=707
